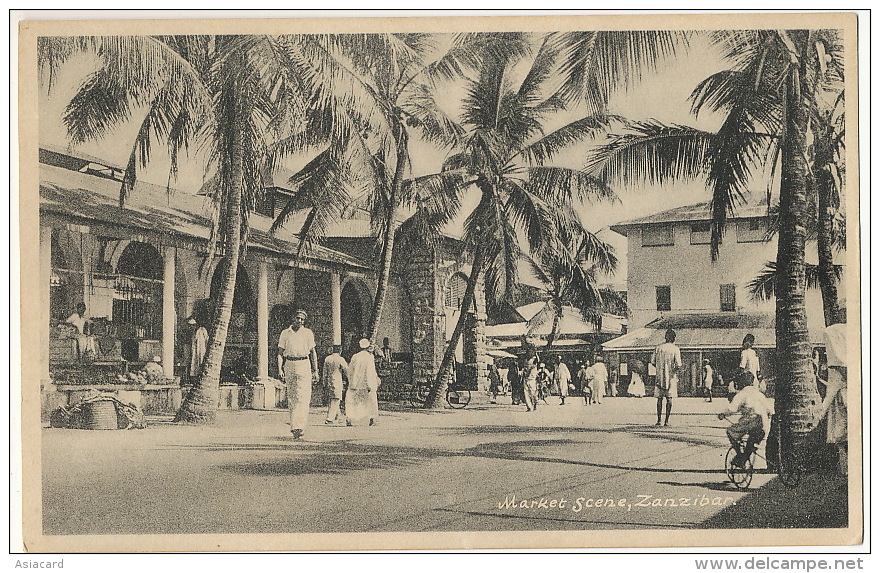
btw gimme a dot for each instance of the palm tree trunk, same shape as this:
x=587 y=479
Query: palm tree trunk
x=553 y=330
x=827 y=275
x=200 y=405
x=438 y=389
x=797 y=395
x=388 y=239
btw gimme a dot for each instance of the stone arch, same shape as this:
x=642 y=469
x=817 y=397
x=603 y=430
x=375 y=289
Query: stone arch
x=137 y=300
x=453 y=294
x=356 y=305
x=140 y=260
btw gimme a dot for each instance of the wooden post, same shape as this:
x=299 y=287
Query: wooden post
x=169 y=316
x=263 y=321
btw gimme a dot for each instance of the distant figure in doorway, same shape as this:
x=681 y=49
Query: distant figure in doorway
x=335 y=368
x=748 y=360
x=198 y=345
x=386 y=352
x=561 y=378
x=298 y=366
x=361 y=399
x=503 y=373
x=667 y=361
x=530 y=381
x=85 y=342
x=708 y=378
x=636 y=379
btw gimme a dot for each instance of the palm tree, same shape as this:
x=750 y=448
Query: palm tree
x=233 y=97
x=384 y=79
x=778 y=82
x=505 y=153
x=569 y=266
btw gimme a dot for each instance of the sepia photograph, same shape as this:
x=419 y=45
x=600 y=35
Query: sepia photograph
x=440 y=283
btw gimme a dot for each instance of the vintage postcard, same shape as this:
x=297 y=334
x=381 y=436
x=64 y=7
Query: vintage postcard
x=440 y=283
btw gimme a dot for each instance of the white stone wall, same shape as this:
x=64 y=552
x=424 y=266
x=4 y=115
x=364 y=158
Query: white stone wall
x=694 y=279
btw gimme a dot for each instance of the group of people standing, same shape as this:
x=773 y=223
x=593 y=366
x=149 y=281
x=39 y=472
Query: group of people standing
x=298 y=367
x=531 y=381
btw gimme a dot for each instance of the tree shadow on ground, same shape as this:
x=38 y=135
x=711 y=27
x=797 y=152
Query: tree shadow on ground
x=640 y=430
x=821 y=501
x=712 y=485
x=343 y=456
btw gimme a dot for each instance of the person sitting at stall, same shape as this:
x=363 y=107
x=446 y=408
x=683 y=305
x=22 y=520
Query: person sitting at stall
x=85 y=342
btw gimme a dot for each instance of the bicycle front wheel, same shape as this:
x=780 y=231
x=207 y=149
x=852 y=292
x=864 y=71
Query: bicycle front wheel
x=739 y=475
x=458 y=398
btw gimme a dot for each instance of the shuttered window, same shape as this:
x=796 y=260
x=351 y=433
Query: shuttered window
x=657 y=235
x=664 y=297
x=728 y=298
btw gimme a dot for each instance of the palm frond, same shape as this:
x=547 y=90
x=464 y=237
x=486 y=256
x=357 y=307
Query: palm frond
x=545 y=148
x=566 y=184
x=652 y=153
x=735 y=151
x=763 y=286
x=431 y=120
x=596 y=64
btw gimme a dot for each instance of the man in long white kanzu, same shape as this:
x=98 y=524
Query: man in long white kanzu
x=561 y=378
x=334 y=369
x=361 y=399
x=298 y=366
x=836 y=392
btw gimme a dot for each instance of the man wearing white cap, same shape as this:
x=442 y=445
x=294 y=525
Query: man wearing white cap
x=361 y=399
x=298 y=366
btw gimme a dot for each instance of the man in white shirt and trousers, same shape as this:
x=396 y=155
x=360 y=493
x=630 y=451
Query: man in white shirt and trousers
x=298 y=366
x=335 y=368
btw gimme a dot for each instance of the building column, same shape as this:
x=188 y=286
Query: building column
x=45 y=293
x=263 y=321
x=336 y=306
x=169 y=316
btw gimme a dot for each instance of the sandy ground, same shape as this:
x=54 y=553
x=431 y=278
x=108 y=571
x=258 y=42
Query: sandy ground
x=448 y=470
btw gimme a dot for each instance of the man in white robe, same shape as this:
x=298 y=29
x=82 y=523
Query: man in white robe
x=561 y=378
x=361 y=399
x=298 y=366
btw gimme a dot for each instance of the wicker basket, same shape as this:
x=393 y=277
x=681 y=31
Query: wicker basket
x=99 y=415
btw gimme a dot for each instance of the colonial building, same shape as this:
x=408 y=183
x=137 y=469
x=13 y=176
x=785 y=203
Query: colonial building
x=142 y=270
x=673 y=283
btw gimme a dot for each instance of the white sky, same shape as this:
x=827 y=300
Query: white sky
x=662 y=95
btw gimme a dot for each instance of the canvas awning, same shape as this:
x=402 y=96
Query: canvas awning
x=704 y=331
x=571 y=324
